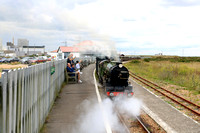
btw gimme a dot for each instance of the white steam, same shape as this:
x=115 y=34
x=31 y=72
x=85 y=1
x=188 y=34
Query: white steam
x=129 y=106
x=91 y=120
x=98 y=48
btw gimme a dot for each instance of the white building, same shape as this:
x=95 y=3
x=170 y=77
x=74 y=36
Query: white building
x=10 y=46
x=22 y=42
x=1 y=48
x=53 y=54
x=30 y=50
x=63 y=52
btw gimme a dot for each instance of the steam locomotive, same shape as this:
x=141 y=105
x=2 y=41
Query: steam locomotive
x=114 y=77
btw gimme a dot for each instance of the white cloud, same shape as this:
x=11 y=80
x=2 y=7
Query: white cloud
x=131 y=24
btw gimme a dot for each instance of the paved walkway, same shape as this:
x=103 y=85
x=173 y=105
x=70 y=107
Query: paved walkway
x=67 y=111
x=170 y=118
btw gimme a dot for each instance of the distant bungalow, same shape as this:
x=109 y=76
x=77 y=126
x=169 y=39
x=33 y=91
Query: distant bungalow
x=83 y=49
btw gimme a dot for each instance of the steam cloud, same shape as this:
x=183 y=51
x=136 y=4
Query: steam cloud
x=99 y=48
x=91 y=120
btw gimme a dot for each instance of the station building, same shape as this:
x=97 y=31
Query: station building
x=64 y=51
x=85 y=49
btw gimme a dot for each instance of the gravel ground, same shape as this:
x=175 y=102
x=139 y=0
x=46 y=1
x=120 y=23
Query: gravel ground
x=135 y=127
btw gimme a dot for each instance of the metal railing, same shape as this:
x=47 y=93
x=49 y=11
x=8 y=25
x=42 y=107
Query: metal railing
x=27 y=95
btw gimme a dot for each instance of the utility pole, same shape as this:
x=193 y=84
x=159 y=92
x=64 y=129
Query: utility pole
x=65 y=42
x=13 y=41
x=34 y=48
x=79 y=39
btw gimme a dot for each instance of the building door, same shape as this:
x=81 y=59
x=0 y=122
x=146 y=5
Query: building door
x=59 y=55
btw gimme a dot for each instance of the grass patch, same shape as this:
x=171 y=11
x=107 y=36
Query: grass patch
x=183 y=74
x=173 y=59
x=15 y=63
x=135 y=61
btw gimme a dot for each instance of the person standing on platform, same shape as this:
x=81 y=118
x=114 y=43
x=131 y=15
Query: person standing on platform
x=78 y=67
x=71 y=59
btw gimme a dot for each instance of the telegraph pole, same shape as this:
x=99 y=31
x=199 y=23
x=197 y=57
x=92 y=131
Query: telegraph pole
x=65 y=42
x=34 y=48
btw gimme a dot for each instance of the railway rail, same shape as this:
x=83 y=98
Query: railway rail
x=122 y=120
x=172 y=96
x=141 y=124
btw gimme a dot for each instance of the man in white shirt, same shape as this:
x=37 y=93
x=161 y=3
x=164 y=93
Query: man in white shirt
x=78 y=66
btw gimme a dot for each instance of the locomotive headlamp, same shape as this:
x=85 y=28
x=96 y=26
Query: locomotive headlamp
x=111 y=94
x=129 y=94
x=120 y=65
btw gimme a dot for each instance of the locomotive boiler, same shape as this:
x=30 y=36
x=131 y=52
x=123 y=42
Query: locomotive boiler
x=114 y=77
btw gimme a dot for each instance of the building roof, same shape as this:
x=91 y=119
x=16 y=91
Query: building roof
x=55 y=51
x=68 y=49
x=33 y=46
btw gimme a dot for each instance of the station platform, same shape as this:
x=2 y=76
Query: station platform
x=172 y=120
x=66 y=112
x=74 y=99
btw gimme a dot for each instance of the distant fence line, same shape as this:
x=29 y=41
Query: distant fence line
x=27 y=95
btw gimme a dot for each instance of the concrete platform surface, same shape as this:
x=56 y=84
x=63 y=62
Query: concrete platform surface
x=67 y=114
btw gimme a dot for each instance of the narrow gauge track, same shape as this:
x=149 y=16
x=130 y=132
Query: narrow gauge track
x=140 y=121
x=178 y=99
x=123 y=122
x=142 y=124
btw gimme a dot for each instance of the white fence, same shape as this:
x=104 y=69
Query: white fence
x=27 y=95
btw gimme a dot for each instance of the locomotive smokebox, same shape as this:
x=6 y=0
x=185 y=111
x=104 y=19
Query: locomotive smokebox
x=119 y=75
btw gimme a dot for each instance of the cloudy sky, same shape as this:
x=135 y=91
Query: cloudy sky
x=137 y=27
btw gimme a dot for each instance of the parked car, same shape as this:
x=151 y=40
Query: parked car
x=25 y=60
x=33 y=60
x=45 y=57
x=48 y=59
x=40 y=59
x=13 y=59
x=3 y=60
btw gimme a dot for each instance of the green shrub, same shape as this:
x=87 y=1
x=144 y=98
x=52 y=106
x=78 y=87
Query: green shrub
x=147 y=60
x=135 y=61
x=173 y=59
